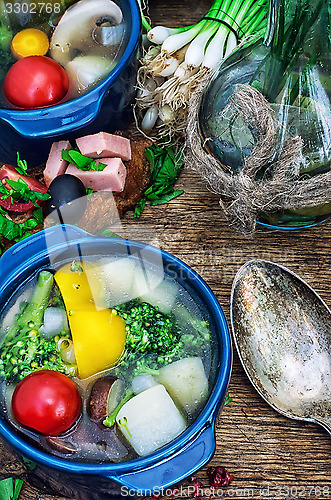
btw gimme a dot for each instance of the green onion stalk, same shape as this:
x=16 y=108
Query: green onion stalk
x=178 y=59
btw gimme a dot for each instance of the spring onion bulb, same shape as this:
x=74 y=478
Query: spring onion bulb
x=181 y=57
x=195 y=52
x=179 y=40
x=166 y=113
x=215 y=50
x=160 y=33
x=150 y=118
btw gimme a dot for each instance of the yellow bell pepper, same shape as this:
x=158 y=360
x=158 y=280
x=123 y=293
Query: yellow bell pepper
x=76 y=289
x=29 y=42
x=98 y=335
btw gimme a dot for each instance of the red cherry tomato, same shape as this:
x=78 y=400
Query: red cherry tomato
x=46 y=401
x=10 y=172
x=34 y=82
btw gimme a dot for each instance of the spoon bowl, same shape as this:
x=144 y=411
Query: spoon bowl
x=282 y=332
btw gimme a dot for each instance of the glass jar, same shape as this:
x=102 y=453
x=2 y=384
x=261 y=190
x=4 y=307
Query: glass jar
x=291 y=67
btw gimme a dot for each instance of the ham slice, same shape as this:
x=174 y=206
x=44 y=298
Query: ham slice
x=104 y=145
x=112 y=178
x=55 y=165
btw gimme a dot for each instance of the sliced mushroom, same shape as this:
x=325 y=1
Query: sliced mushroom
x=74 y=33
x=61 y=445
x=105 y=396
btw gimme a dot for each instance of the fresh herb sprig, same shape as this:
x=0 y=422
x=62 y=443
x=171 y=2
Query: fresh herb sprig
x=20 y=191
x=165 y=164
x=22 y=166
x=81 y=161
x=16 y=232
x=228 y=399
x=10 y=488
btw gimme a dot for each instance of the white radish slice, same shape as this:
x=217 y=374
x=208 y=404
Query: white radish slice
x=116 y=278
x=141 y=383
x=150 y=420
x=162 y=296
x=55 y=322
x=186 y=382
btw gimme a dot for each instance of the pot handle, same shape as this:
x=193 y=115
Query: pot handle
x=37 y=243
x=172 y=469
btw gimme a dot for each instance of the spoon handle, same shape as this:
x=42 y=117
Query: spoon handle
x=324 y=422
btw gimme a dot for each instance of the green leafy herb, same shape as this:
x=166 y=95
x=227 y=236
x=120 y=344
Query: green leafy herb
x=38 y=215
x=10 y=489
x=80 y=161
x=16 y=232
x=29 y=463
x=165 y=164
x=22 y=166
x=228 y=399
x=20 y=191
x=109 y=421
x=24 y=349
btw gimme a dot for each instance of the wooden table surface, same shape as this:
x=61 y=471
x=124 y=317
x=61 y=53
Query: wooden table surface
x=270 y=456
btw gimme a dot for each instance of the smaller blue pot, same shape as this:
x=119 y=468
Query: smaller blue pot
x=173 y=462
x=107 y=107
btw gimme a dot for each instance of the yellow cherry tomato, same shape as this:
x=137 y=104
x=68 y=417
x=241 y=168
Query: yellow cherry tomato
x=29 y=42
x=98 y=334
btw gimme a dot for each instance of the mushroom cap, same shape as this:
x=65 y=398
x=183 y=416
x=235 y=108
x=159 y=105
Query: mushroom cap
x=75 y=29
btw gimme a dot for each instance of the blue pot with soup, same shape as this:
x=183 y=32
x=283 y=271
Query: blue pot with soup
x=115 y=358
x=66 y=69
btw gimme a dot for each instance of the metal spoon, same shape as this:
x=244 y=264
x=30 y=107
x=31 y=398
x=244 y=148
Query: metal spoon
x=282 y=331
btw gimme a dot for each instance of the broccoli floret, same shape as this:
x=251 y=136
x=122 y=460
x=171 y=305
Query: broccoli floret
x=148 y=330
x=29 y=352
x=154 y=339
x=24 y=350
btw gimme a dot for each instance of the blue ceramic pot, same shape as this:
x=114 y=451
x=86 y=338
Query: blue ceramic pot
x=173 y=462
x=106 y=107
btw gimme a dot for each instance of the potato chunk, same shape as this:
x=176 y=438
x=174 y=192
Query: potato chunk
x=186 y=382
x=150 y=420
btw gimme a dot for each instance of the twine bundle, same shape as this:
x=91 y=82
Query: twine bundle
x=248 y=196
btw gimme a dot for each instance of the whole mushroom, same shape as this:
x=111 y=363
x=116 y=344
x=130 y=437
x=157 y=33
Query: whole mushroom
x=75 y=30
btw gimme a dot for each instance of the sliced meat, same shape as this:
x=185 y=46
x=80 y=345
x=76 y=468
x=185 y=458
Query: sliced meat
x=104 y=145
x=101 y=212
x=112 y=178
x=55 y=165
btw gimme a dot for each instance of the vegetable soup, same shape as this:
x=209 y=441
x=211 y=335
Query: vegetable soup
x=56 y=51
x=105 y=360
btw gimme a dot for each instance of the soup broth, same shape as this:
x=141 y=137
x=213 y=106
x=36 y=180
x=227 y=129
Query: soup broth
x=163 y=375
x=86 y=42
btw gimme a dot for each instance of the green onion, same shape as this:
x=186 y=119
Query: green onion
x=182 y=57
